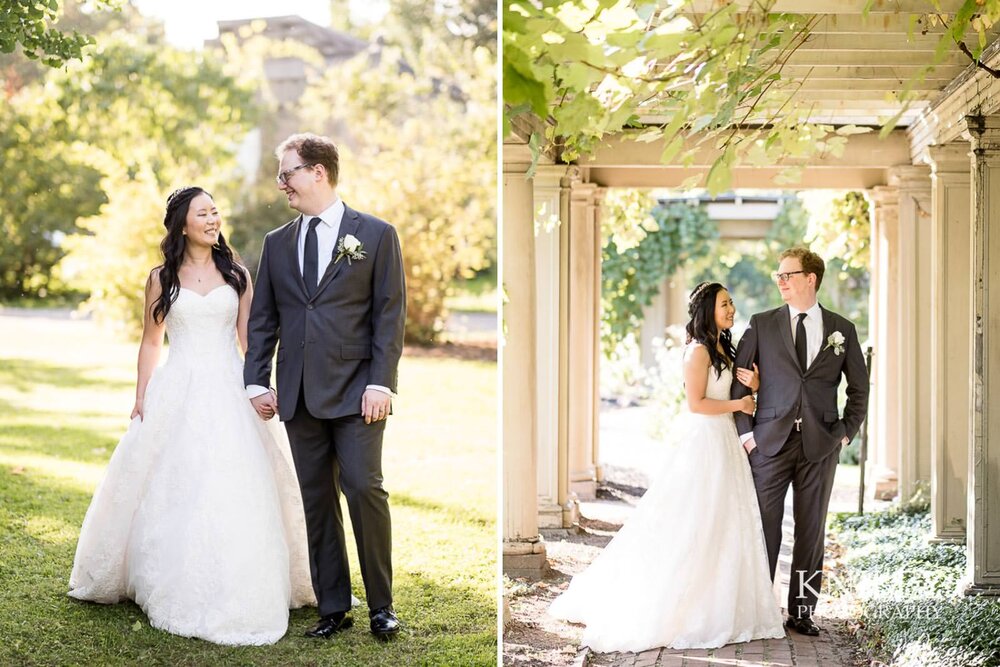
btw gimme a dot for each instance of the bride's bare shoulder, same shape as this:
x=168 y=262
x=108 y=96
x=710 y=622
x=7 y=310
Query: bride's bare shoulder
x=695 y=352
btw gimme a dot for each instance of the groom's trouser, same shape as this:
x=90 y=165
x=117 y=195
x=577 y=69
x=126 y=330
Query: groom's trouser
x=333 y=455
x=812 y=482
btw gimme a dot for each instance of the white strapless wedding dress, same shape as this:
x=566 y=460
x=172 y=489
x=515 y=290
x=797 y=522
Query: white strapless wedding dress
x=689 y=568
x=199 y=517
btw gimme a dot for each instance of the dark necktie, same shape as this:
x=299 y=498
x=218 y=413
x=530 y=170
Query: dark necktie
x=800 y=341
x=310 y=258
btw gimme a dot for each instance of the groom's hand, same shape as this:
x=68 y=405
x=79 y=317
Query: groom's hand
x=375 y=405
x=749 y=445
x=265 y=405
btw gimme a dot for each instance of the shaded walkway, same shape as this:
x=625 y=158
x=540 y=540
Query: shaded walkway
x=629 y=457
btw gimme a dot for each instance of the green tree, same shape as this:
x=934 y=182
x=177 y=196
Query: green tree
x=28 y=24
x=632 y=276
x=18 y=70
x=582 y=69
x=151 y=118
x=47 y=185
x=410 y=23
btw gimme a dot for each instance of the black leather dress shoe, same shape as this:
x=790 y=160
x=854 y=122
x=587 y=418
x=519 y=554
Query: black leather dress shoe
x=330 y=625
x=384 y=623
x=803 y=626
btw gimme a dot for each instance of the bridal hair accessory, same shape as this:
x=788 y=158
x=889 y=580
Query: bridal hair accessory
x=696 y=294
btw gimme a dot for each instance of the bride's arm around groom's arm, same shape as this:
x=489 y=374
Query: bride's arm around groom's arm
x=697 y=366
x=746 y=357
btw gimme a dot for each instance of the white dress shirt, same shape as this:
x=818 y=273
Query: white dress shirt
x=327 y=233
x=814 y=329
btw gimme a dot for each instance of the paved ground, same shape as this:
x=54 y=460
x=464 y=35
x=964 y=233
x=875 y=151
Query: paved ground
x=627 y=455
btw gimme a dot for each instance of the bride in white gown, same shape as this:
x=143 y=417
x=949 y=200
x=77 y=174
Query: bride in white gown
x=689 y=568
x=199 y=517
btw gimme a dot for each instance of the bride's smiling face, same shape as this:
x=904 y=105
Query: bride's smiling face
x=203 y=223
x=725 y=310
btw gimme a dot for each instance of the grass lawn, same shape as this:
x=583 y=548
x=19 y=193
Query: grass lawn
x=66 y=389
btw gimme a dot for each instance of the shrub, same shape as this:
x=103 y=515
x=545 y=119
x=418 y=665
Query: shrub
x=912 y=611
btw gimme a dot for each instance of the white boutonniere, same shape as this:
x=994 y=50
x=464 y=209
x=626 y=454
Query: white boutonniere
x=836 y=341
x=350 y=247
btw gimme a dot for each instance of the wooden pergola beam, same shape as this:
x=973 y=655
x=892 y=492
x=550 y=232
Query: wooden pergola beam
x=846 y=178
x=861 y=151
x=835 y=6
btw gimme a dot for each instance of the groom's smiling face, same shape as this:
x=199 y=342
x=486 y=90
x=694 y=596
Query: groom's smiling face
x=296 y=180
x=799 y=290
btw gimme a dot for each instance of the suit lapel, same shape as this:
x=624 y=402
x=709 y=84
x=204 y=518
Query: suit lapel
x=292 y=251
x=348 y=225
x=828 y=327
x=785 y=331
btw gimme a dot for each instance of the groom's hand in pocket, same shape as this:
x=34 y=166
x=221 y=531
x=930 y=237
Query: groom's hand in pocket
x=375 y=405
x=749 y=445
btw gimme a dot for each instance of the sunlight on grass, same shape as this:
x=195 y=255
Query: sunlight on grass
x=66 y=404
x=51 y=530
x=68 y=474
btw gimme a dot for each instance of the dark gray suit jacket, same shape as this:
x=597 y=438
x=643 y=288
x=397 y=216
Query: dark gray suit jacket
x=784 y=387
x=347 y=336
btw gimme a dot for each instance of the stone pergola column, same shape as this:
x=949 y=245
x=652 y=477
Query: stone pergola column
x=557 y=508
x=951 y=334
x=984 y=473
x=583 y=323
x=523 y=548
x=884 y=423
x=669 y=307
x=911 y=299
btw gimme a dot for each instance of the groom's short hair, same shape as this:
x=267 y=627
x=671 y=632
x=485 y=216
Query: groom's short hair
x=811 y=262
x=314 y=149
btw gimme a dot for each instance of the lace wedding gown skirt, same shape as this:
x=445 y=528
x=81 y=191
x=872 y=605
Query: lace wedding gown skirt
x=689 y=568
x=199 y=517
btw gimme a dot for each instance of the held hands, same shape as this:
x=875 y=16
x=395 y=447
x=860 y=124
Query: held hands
x=749 y=378
x=375 y=405
x=265 y=404
x=747 y=405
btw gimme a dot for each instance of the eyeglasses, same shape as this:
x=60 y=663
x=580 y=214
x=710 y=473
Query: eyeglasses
x=283 y=176
x=783 y=277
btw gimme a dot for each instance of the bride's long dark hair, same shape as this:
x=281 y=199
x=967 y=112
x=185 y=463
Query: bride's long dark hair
x=701 y=328
x=172 y=246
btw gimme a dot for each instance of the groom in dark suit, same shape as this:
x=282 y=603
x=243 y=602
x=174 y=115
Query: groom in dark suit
x=796 y=433
x=330 y=295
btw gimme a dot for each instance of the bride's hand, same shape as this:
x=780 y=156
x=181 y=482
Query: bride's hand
x=137 y=409
x=747 y=405
x=748 y=378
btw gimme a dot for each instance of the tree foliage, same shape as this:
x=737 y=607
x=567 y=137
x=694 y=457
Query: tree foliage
x=409 y=23
x=150 y=118
x=593 y=67
x=419 y=150
x=47 y=185
x=632 y=276
x=28 y=24
x=584 y=69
